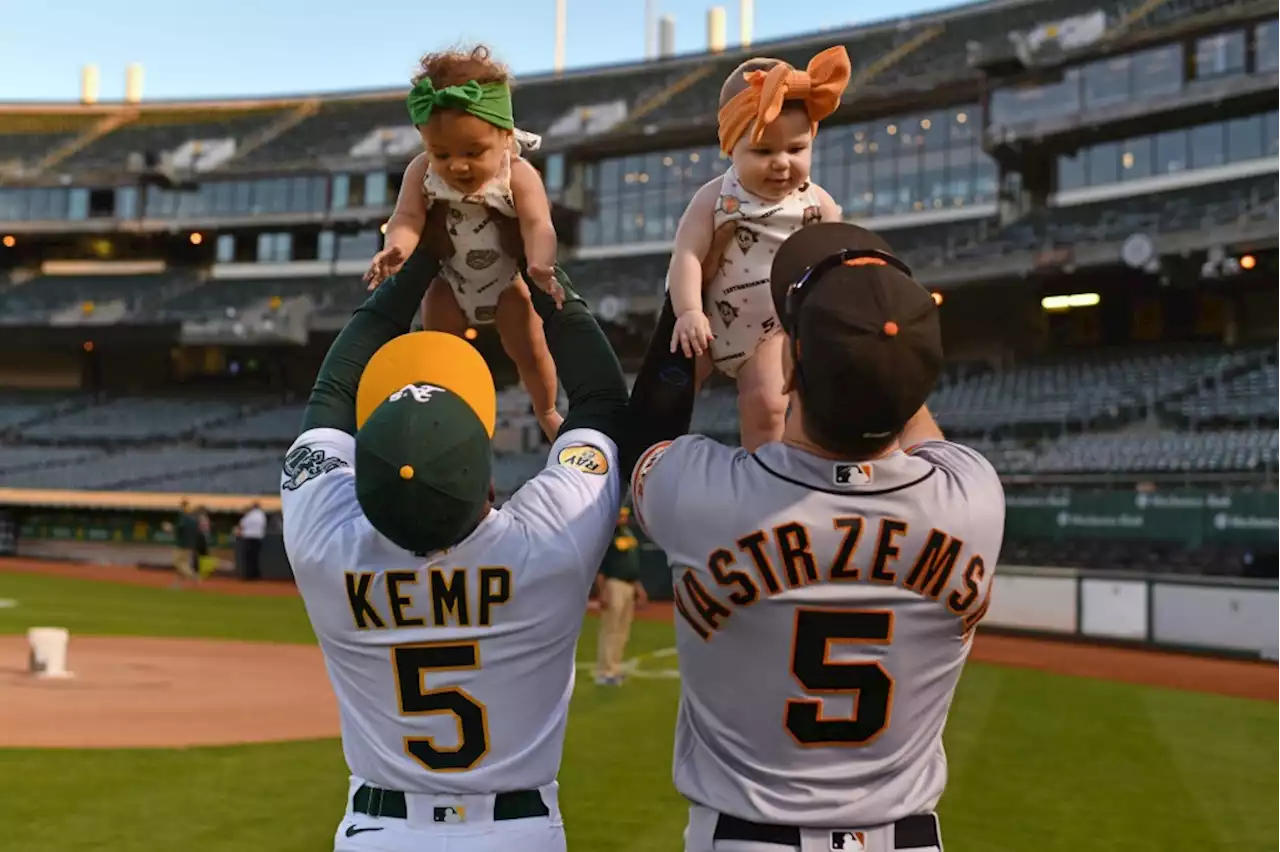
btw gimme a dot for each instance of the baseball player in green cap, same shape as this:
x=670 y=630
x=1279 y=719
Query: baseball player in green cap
x=449 y=626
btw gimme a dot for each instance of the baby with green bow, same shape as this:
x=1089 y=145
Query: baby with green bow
x=461 y=106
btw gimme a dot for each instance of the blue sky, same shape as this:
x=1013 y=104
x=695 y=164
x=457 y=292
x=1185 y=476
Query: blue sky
x=261 y=47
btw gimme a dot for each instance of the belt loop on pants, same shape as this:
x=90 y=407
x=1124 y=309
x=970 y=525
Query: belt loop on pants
x=917 y=831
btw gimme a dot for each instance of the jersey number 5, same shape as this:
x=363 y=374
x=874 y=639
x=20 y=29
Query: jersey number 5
x=871 y=687
x=413 y=665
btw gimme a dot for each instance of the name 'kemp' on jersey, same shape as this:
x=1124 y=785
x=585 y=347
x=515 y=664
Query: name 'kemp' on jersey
x=850 y=591
x=426 y=654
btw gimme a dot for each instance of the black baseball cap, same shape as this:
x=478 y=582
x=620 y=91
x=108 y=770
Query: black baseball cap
x=425 y=409
x=865 y=335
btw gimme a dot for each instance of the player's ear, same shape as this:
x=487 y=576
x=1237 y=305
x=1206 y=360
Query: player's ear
x=493 y=493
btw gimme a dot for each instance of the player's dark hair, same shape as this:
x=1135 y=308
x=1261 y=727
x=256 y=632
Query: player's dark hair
x=827 y=427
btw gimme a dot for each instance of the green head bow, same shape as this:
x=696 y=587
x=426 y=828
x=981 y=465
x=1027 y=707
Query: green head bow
x=489 y=102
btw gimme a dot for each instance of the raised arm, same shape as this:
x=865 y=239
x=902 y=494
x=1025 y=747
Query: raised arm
x=692 y=245
x=586 y=364
x=385 y=314
x=404 y=228
x=534 y=210
x=661 y=406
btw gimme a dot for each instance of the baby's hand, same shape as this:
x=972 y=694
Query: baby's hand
x=692 y=333
x=384 y=264
x=545 y=278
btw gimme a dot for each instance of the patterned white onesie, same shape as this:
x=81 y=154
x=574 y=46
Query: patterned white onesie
x=479 y=270
x=739 y=299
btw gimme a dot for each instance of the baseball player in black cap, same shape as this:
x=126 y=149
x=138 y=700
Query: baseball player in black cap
x=826 y=586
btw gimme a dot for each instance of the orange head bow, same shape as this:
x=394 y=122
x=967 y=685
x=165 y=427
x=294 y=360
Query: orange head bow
x=820 y=86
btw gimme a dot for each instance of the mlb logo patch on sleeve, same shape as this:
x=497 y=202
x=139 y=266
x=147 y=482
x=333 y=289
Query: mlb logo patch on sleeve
x=848 y=841
x=585 y=458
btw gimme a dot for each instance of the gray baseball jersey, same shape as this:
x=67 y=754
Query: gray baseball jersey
x=824 y=611
x=453 y=673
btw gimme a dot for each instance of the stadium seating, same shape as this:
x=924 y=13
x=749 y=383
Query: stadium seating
x=1040 y=401
x=143 y=469
x=1080 y=390
x=25 y=138
x=227 y=296
x=631 y=276
x=28 y=148
x=19 y=409
x=1185 y=209
x=539 y=102
x=278 y=426
x=1161 y=452
x=133 y=419
x=167 y=130
x=39 y=299
x=331 y=132
x=644 y=275
x=1250 y=396
x=23 y=458
x=947 y=57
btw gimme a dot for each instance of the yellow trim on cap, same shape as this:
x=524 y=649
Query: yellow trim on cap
x=428 y=357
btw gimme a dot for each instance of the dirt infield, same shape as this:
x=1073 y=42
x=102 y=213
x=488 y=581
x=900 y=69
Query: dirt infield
x=207 y=692
x=148 y=693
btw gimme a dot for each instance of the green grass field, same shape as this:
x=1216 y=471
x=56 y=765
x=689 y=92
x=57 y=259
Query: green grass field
x=1038 y=761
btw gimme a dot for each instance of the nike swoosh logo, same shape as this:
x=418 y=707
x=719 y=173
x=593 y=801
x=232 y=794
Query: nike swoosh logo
x=352 y=831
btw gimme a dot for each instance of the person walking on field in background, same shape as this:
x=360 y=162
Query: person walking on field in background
x=185 y=533
x=620 y=591
x=251 y=530
x=202 y=562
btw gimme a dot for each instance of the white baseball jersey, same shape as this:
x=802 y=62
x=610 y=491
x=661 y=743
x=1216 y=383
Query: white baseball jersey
x=453 y=673
x=824 y=612
x=479 y=269
x=740 y=301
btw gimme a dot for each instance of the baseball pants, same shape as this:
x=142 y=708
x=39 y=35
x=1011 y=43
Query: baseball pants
x=700 y=835
x=451 y=823
x=615 y=626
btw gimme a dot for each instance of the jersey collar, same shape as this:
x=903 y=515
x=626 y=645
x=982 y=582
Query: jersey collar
x=884 y=475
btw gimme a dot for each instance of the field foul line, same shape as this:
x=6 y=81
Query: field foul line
x=631 y=667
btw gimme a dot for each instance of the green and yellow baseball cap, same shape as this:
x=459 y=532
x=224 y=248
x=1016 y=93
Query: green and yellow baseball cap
x=425 y=412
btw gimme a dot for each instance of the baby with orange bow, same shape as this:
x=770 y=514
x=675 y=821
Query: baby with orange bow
x=769 y=114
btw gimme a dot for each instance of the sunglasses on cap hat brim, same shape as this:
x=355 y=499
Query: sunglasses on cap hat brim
x=797 y=290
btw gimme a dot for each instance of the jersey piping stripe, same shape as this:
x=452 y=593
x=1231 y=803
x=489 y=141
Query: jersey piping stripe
x=843 y=492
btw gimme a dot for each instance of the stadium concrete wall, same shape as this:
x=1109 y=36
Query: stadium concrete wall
x=1218 y=615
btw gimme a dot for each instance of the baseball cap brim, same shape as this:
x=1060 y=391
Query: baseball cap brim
x=809 y=245
x=428 y=357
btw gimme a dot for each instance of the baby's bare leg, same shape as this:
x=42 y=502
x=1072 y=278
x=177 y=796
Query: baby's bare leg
x=441 y=311
x=762 y=405
x=520 y=329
